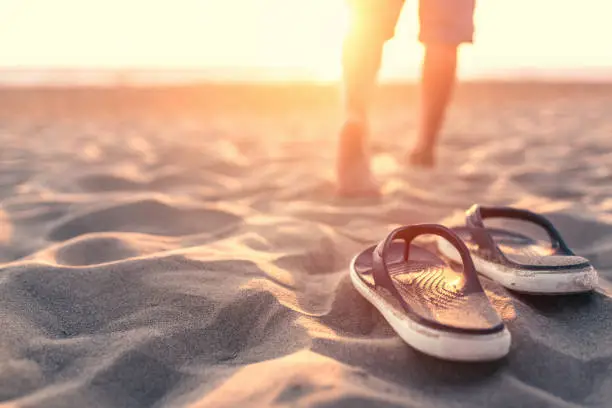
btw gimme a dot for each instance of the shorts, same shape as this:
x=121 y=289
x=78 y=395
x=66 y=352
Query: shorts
x=449 y=22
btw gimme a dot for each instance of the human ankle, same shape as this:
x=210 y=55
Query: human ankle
x=424 y=145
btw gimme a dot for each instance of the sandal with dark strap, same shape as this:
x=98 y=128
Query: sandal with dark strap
x=438 y=310
x=517 y=261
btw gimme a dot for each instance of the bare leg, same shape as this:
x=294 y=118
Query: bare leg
x=437 y=82
x=361 y=61
x=361 y=58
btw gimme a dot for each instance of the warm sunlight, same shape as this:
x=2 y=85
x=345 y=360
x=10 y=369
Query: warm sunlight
x=213 y=203
x=272 y=38
x=274 y=34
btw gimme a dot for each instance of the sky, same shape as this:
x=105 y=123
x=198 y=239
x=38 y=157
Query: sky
x=288 y=37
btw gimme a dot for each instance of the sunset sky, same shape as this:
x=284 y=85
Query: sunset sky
x=285 y=36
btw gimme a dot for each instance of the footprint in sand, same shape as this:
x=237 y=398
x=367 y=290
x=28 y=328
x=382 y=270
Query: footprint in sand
x=99 y=183
x=108 y=182
x=145 y=216
x=103 y=248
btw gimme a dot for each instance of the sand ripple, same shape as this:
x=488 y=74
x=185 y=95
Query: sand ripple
x=198 y=258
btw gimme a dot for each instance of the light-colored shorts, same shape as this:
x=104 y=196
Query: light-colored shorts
x=441 y=21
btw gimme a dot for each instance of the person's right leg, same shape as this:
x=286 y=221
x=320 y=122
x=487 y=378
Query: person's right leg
x=438 y=77
x=445 y=24
x=371 y=24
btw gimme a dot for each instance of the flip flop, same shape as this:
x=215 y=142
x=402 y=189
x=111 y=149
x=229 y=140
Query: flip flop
x=517 y=261
x=436 y=309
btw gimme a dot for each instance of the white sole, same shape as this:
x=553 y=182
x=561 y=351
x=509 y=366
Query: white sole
x=520 y=280
x=436 y=343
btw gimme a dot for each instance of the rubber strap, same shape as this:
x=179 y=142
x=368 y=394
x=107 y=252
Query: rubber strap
x=476 y=214
x=408 y=234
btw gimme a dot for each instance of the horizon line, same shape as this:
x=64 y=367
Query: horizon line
x=19 y=77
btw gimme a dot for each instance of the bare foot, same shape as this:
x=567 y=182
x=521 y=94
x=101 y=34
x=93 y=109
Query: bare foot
x=354 y=178
x=422 y=157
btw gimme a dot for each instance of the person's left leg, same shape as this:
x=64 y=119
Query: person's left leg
x=371 y=25
x=445 y=24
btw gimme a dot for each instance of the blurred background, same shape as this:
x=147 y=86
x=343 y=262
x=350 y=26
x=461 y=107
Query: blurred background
x=181 y=242
x=138 y=41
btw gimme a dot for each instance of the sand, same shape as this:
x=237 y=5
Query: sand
x=183 y=247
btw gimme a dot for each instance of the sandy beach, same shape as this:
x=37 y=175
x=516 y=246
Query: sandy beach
x=182 y=247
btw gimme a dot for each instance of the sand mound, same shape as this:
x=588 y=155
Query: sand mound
x=197 y=257
x=145 y=216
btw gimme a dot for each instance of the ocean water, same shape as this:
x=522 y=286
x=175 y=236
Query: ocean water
x=147 y=77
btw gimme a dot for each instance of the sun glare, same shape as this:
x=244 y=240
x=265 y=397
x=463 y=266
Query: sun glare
x=281 y=34
x=274 y=34
x=281 y=38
